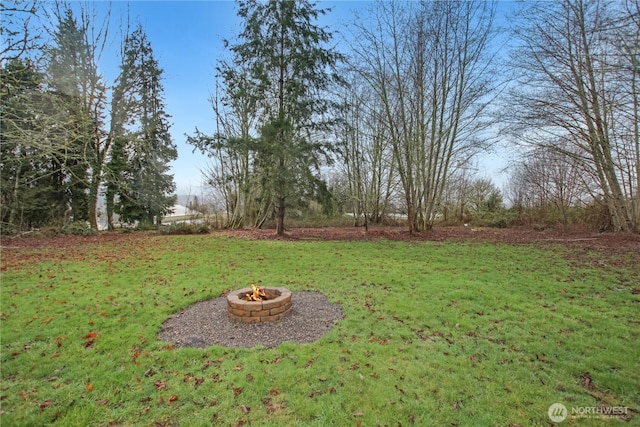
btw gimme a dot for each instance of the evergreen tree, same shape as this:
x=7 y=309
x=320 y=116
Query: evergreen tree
x=138 y=185
x=292 y=69
x=31 y=171
x=72 y=75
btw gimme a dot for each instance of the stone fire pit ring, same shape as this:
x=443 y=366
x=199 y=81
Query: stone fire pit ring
x=274 y=307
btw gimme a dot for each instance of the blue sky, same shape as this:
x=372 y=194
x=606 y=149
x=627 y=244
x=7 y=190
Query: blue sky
x=187 y=39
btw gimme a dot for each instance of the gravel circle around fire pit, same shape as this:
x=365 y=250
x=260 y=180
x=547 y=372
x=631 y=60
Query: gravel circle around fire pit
x=206 y=323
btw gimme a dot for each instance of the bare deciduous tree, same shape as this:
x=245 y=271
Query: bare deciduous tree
x=366 y=158
x=16 y=34
x=578 y=66
x=427 y=64
x=546 y=180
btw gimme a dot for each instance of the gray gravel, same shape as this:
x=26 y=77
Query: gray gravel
x=206 y=323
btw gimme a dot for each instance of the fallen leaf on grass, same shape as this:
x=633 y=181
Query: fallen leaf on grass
x=102 y=402
x=210 y=363
x=59 y=339
x=89 y=387
x=46 y=404
x=271 y=407
x=90 y=337
x=160 y=385
x=173 y=399
x=586 y=381
x=246 y=409
x=473 y=360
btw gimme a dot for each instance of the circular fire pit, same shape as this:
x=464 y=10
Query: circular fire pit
x=274 y=306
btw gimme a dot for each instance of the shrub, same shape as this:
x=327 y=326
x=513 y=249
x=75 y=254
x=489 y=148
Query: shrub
x=597 y=216
x=177 y=228
x=78 y=228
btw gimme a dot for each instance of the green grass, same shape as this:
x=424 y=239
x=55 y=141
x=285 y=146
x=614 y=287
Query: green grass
x=464 y=334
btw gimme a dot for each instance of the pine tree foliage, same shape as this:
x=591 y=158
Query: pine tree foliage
x=72 y=75
x=291 y=69
x=51 y=119
x=56 y=139
x=139 y=187
x=33 y=169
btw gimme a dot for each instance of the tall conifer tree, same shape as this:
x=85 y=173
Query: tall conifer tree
x=138 y=185
x=292 y=67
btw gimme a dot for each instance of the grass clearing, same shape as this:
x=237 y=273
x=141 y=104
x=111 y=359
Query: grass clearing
x=433 y=334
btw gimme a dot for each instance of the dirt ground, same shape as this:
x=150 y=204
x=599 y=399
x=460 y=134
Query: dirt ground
x=515 y=235
x=623 y=248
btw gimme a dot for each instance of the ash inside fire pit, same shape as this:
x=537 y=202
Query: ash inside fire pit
x=259 y=305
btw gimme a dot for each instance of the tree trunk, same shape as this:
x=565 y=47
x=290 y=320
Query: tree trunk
x=13 y=207
x=109 y=205
x=94 y=188
x=281 y=210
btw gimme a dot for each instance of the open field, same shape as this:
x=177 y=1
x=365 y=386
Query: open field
x=454 y=327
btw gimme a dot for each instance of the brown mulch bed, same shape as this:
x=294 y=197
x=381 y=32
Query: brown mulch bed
x=584 y=240
x=12 y=249
x=515 y=235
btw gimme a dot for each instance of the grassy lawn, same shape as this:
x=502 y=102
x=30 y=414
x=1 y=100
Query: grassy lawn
x=463 y=334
